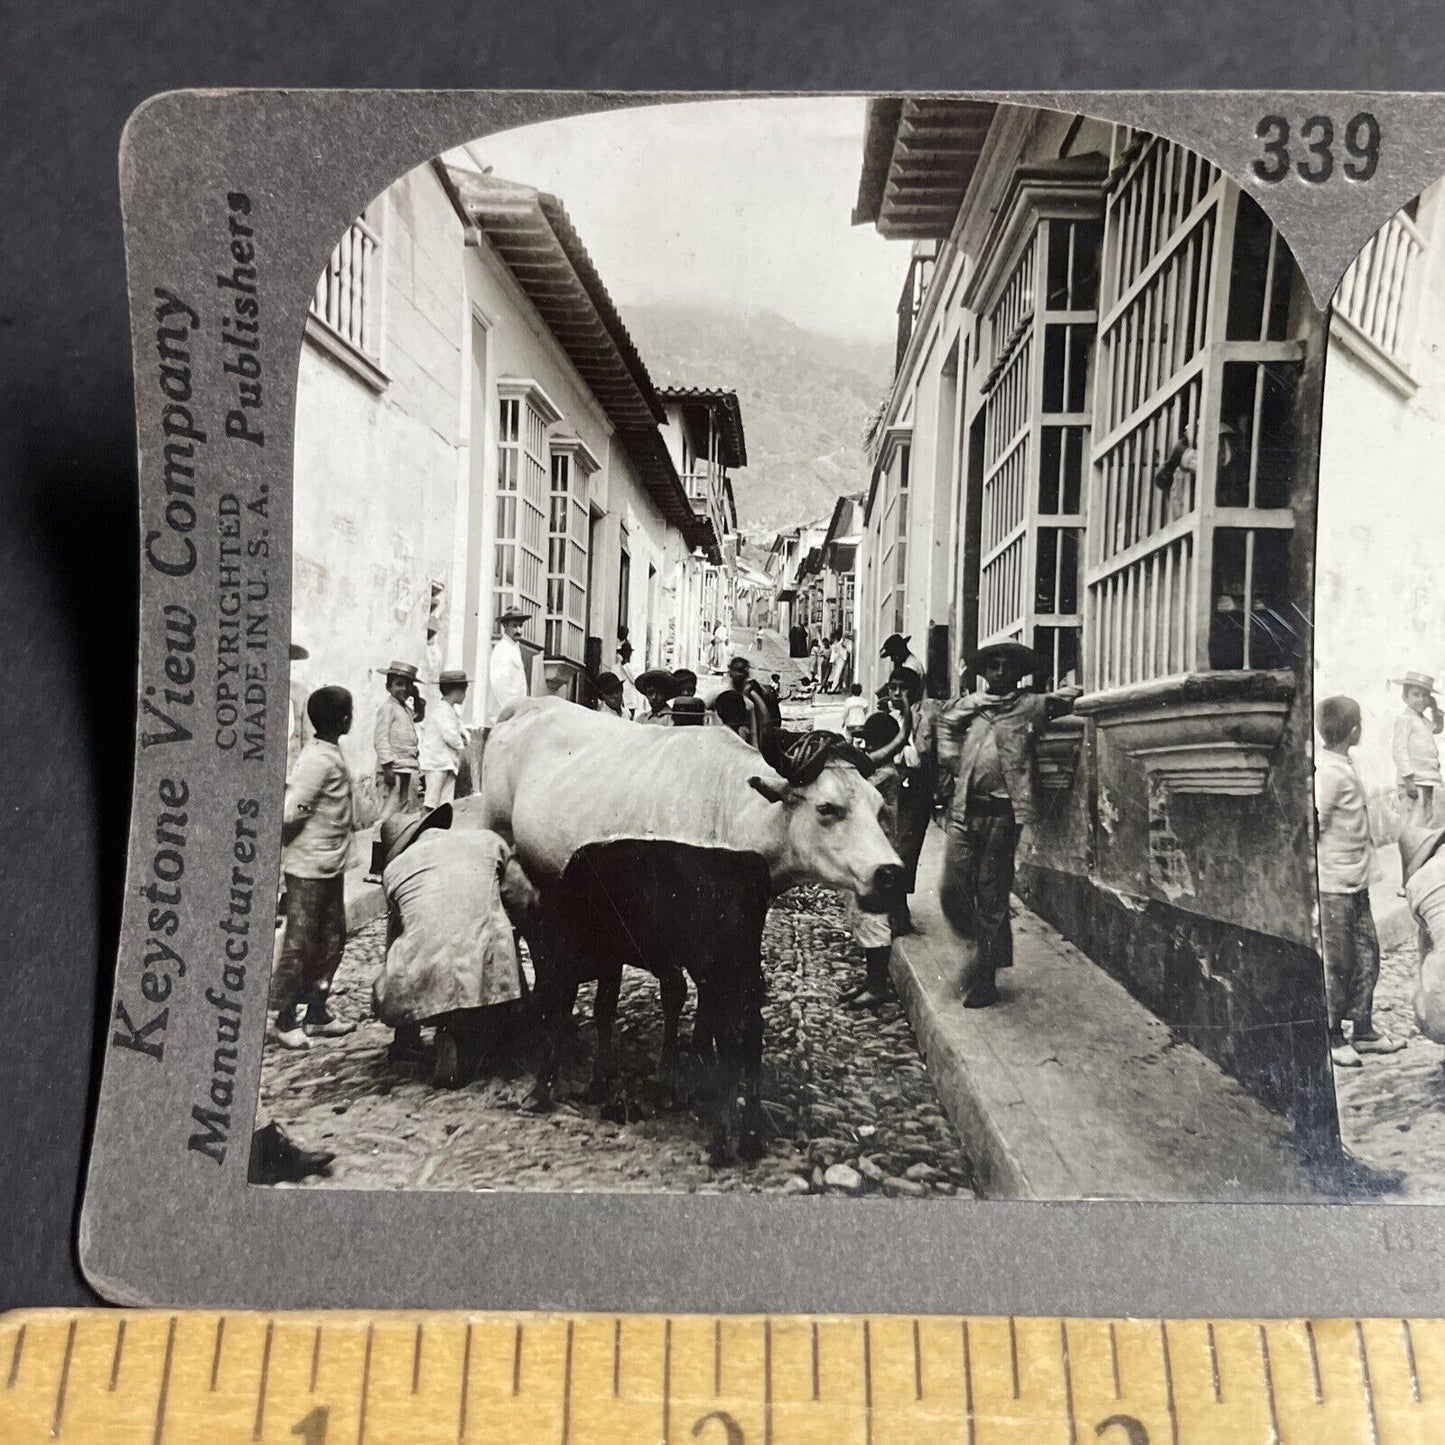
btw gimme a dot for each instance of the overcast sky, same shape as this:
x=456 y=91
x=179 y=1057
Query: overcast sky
x=741 y=203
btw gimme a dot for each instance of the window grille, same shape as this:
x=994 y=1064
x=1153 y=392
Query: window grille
x=522 y=503
x=1193 y=444
x=348 y=293
x=1374 y=295
x=567 y=529
x=1036 y=424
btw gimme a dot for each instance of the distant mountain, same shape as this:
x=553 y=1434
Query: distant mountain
x=806 y=400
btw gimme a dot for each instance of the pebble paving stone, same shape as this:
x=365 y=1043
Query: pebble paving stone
x=1392 y=1108
x=849 y=1103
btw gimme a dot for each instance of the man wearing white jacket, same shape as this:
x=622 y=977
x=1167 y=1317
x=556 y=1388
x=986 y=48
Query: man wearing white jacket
x=507 y=673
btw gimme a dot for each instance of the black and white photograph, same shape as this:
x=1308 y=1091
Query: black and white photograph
x=803 y=675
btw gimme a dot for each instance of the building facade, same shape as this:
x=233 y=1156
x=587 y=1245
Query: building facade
x=1102 y=441
x=1379 y=603
x=475 y=430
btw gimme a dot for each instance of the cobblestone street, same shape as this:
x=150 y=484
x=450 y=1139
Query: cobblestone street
x=848 y=1098
x=1392 y=1110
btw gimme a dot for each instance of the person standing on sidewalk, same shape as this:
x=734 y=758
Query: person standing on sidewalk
x=507 y=670
x=1346 y=862
x=443 y=737
x=917 y=783
x=397 y=746
x=985 y=746
x=316 y=842
x=1416 y=753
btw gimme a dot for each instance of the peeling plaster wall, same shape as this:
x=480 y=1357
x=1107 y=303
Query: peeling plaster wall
x=377 y=474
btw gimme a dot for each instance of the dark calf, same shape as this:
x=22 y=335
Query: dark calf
x=670 y=909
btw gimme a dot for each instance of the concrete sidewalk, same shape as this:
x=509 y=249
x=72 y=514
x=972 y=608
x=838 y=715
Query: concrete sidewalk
x=1069 y=1088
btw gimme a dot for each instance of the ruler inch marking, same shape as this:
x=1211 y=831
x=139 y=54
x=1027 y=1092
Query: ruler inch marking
x=15 y=1355
x=1275 y=1436
x=1319 y=1384
x=59 y=1415
x=567 y=1388
x=115 y=1358
x=517 y=1360
x=365 y=1385
x=416 y=1358
x=1169 y=1383
x=265 y=1379
x=1068 y=1382
x=216 y=1352
x=717 y=1357
x=1410 y=1360
x=867 y=1382
x=315 y=1359
x=917 y=1362
x=969 y=1426
x=767 y=1382
x=616 y=1356
x=1214 y=1363
x=666 y=1380
x=1365 y=1380
x=1013 y=1354
x=165 y=1389
x=466 y=1380
x=815 y=1359
x=1114 y=1361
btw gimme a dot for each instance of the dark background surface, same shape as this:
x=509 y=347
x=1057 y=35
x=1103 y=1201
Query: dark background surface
x=70 y=75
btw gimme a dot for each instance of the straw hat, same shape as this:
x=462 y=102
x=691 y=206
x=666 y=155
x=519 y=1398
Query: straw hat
x=1415 y=679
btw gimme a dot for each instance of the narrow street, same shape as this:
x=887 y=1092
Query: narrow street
x=1392 y=1109
x=841 y=1088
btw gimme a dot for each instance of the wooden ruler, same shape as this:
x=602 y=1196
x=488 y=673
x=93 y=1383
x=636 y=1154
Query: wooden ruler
x=198 y=1378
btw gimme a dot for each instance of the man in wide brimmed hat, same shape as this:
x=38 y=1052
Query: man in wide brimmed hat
x=658 y=687
x=984 y=743
x=1416 y=754
x=507 y=671
x=396 y=740
x=896 y=650
x=443 y=738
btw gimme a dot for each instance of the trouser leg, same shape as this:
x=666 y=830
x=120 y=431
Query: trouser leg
x=1367 y=965
x=978 y=871
x=1337 y=943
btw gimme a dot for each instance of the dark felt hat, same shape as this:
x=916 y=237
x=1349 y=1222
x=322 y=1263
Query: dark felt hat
x=894 y=642
x=453 y=677
x=656 y=679
x=513 y=614
x=607 y=683
x=298 y=653
x=1025 y=657
x=401 y=669
x=401 y=830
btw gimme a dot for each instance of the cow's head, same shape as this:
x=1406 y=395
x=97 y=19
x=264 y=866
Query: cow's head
x=830 y=822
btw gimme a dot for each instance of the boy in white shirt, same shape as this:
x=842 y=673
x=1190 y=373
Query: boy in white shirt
x=1346 y=861
x=316 y=843
x=442 y=739
x=855 y=711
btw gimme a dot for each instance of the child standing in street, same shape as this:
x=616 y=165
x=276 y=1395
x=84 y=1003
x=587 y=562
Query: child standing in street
x=1346 y=861
x=316 y=842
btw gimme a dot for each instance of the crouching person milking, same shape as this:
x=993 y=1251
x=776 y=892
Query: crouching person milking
x=986 y=744
x=451 y=955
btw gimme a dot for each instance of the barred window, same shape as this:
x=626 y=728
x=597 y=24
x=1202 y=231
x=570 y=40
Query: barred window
x=520 y=567
x=567 y=532
x=348 y=293
x=1194 y=442
x=1041 y=317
